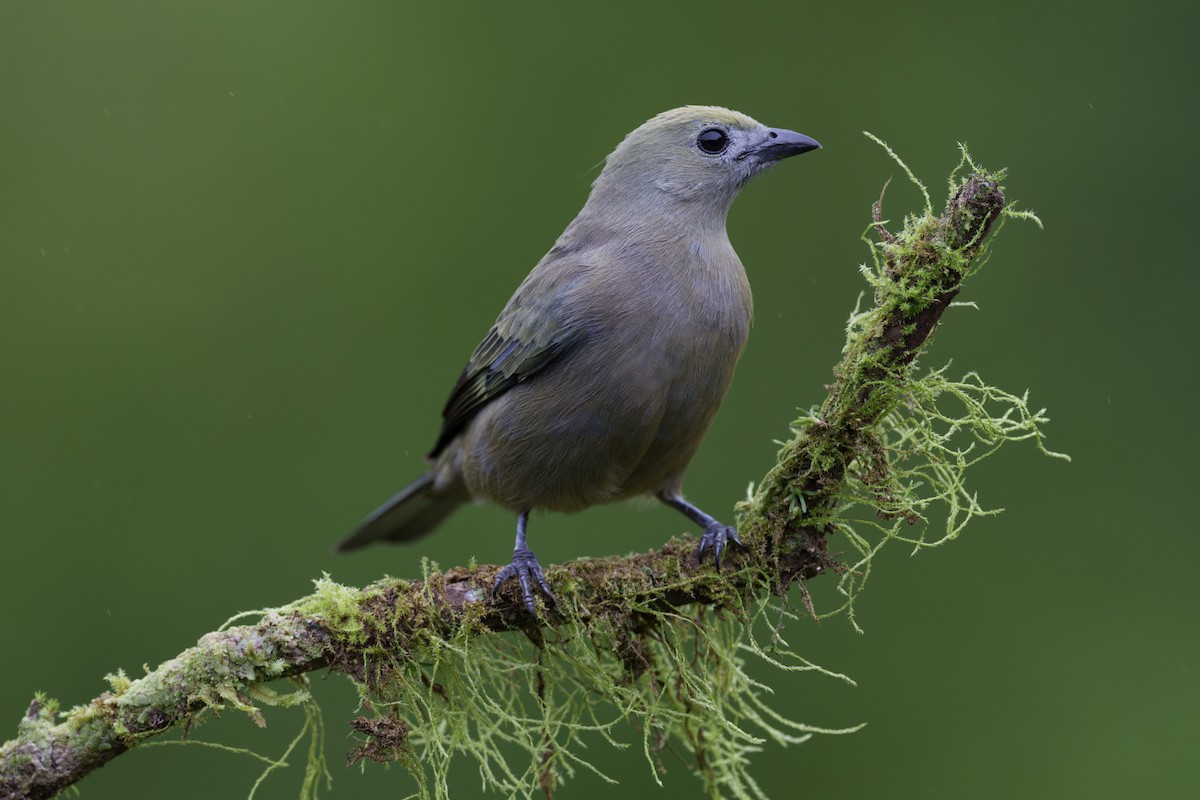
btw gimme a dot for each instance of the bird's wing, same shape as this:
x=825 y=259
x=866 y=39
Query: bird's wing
x=541 y=323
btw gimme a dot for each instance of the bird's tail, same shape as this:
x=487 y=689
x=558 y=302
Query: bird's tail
x=412 y=513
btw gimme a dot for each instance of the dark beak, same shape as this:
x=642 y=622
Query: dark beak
x=783 y=143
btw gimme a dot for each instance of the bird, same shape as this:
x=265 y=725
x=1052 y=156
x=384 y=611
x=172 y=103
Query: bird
x=603 y=372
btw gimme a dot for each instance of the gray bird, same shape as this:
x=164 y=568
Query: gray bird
x=604 y=371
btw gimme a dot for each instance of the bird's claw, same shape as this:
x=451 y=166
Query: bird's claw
x=527 y=570
x=715 y=538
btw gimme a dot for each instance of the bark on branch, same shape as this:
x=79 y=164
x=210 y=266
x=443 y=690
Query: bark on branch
x=52 y=751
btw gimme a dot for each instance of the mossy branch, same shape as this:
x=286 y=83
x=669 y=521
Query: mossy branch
x=422 y=650
x=921 y=272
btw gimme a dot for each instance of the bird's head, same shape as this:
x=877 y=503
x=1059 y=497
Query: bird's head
x=696 y=155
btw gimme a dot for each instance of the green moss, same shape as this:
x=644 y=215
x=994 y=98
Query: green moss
x=338 y=607
x=525 y=712
x=899 y=445
x=617 y=668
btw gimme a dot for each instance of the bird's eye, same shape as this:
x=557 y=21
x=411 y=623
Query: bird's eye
x=712 y=141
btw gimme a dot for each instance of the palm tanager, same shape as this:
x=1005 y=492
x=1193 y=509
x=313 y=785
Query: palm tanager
x=601 y=376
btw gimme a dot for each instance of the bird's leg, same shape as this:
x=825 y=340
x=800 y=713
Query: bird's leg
x=716 y=535
x=525 y=567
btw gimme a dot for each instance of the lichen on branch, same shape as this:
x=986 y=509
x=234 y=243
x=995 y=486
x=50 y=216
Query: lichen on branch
x=653 y=645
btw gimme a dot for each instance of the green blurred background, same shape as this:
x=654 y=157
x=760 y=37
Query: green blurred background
x=247 y=247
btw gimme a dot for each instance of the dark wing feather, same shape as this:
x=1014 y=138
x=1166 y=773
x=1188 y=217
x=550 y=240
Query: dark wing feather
x=538 y=326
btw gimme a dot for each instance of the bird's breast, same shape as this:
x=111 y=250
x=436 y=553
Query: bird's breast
x=625 y=411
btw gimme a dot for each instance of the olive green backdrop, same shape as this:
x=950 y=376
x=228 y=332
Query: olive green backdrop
x=245 y=249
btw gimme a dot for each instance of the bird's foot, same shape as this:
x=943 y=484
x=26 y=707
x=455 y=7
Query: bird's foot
x=716 y=537
x=527 y=570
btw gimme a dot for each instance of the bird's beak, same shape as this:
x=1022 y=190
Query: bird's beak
x=781 y=143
